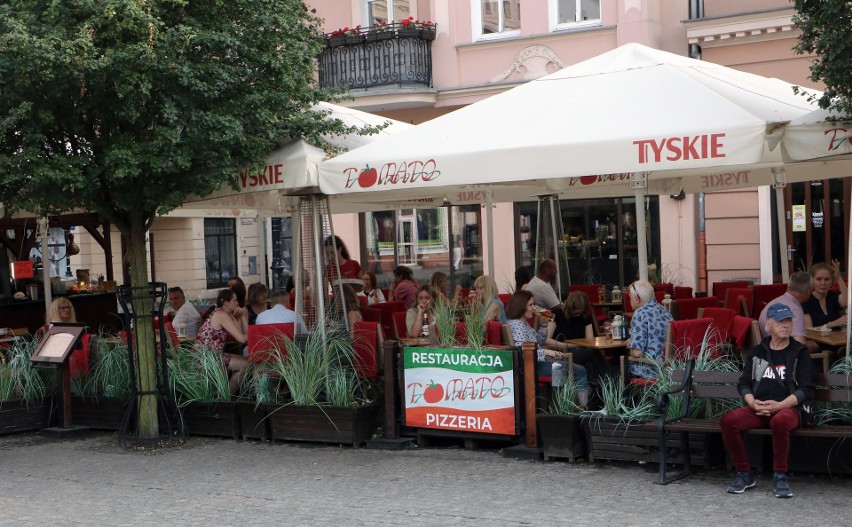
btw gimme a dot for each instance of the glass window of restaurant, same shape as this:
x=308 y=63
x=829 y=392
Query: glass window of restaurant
x=600 y=238
x=817 y=222
x=220 y=250
x=444 y=239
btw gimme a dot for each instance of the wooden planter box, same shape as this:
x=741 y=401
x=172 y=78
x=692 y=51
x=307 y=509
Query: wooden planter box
x=609 y=438
x=346 y=426
x=102 y=413
x=19 y=416
x=562 y=436
x=253 y=420
x=215 y=419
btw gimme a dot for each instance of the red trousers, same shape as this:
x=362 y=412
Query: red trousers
x=737 y=421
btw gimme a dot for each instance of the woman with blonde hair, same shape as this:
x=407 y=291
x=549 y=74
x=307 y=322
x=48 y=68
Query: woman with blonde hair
x=826 y=307
x=61 y=310
x=486 y=293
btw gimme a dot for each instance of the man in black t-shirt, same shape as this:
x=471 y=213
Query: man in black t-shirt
x=777 y=377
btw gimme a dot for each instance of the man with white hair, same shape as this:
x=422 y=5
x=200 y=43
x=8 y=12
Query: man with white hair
x=647 y=328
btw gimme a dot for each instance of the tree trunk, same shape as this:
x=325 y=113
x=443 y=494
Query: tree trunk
x=145 y=358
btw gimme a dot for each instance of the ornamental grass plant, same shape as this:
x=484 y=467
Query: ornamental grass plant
x=196 y=375
x=475 y=324
x=110 y=375
x=444 y=313
x=19 y=380
x=565 y=400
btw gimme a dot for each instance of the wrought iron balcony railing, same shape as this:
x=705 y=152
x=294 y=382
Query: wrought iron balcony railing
x=392 y=54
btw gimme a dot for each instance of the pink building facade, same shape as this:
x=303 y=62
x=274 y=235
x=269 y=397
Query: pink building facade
x=484 y=47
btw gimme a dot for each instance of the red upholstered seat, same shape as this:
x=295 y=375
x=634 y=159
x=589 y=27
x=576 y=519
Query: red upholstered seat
x=685 y=338
x=666 y=288
x=266 y=339
x=504 y=297
x=400 y=329
x=79 y=362
x=387 y=309
x=734 y=299
x=659 y=296
x=172 y=335
x=722 y=317
x=720 y=288
x=367 y=339
x=494 y=333
x=371 y=315
x=461 y=334
x=687 y=308
x=682 y=292
x=763 y=294
x=740 y=331
x=363 y=300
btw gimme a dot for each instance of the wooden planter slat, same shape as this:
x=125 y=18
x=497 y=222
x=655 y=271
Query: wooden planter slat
x=215 y=419
x=102 y=413
x=18 y=416
x=350 y=426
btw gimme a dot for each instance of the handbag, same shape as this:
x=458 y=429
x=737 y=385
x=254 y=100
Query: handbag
x=807 y=413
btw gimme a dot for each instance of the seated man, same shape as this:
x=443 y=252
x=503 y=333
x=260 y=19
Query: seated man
x=542 y=292
x=798 y=292
x=279 y=313
x=647 y=328
x=185 y=312
x=771 y=395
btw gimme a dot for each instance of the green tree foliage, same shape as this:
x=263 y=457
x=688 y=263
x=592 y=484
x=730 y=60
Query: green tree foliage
x=125 y=107
x=827 y=32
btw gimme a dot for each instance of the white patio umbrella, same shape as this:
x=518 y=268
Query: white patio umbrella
x=633 y=109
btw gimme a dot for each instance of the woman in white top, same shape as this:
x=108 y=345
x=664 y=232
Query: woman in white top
x=371 y=289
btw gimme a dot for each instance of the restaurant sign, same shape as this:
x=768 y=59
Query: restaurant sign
x=460 y=389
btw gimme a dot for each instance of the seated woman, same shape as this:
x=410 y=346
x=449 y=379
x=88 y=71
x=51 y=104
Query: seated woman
x=421 y=314
x=60 y=310
x=236 y=284
x=403 y=288
x=227 y=320
x=520 y=308
x=371 y=289
x=826 y=307
x=352 y=305
x=486 y=293
x=337 y=257
x=573 y=320
x=438 y=283
x=256 y=301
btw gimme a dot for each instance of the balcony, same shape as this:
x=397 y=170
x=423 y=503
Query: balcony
x=388 y=55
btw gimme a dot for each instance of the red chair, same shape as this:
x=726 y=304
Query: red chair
x=504 y=297
x=363 y=300
x=592 y=291
x=682 y=292
x=266 y=339
x=79 y=362
x=720 y=288
x=687 y=308
x=763 y=295
x=722 y=317
x=666 y=288
x=461 y=334
x=740 y=300
x=493 y=333
x=399 y=324
x=685 y=338
x=659 y=296
x=371 y=315
x=388 y=309
x=744 y=333
x=174 y=340
x=367 y=340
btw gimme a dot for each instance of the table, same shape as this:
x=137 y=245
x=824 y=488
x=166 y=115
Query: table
x=834 y=339
x=414 y=341
x=609 y=347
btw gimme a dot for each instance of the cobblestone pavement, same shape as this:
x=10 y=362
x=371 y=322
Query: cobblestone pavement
x=91 y=481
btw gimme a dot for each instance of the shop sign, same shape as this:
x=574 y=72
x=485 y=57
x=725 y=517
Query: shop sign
x=23 y=269
x=460 y=389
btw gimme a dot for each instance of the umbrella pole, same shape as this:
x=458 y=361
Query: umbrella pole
x=779 y=182
x=641 y=233
x=848 y=283
x=489 y=226
x=44 y=233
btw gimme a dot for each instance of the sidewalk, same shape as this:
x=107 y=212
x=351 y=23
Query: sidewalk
x=91 y=481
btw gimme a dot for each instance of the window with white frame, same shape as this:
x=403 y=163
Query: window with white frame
x=387 y=11
x=575 y=13
x=220 y=250
x=495 y=18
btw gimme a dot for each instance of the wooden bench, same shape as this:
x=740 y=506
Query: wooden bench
x=833 y=388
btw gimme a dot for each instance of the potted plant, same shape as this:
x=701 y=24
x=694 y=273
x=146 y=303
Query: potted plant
x=561 y=428
x=353 y=35
x=427 y=29
x=23 y=402
x=101 y=397
x=336 y=37
x=199 y=382
x=258 y=390
x=318 y=374
x=381 y=31
x=408 y=28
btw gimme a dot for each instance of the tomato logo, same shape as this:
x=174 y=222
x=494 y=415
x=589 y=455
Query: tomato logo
x=588 y=180
x=433 y=393
x=368 y=177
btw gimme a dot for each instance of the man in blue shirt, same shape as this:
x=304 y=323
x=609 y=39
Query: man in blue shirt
x=647 y=328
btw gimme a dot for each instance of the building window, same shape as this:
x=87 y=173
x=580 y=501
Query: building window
x=568 y=14
x=282 y=252
x=496 y=18
x=386 y=11
x=220 y=250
